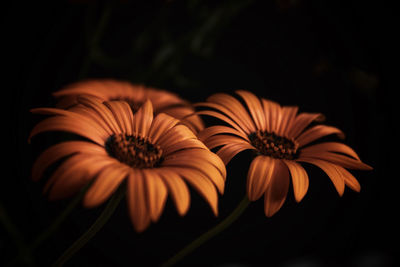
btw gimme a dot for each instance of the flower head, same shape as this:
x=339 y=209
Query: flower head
x=135 y=95
x=282 y=140
x=150 y=154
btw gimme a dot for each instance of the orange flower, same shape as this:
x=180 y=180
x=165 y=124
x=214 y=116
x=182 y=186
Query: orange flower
x=282 y=139
x=150 y=154
x=135 y=95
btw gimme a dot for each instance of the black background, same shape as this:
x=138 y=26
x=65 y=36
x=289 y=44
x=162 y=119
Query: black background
x=332 y=57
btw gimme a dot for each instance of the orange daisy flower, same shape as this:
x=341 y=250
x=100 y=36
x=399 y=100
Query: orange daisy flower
x=135 y=95
x=282 y=140
x=150 y=154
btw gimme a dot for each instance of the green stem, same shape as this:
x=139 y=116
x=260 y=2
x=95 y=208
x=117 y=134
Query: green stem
x=59 y=220
x=209 y=234
x=96 y=226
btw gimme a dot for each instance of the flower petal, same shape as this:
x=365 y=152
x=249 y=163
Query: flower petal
x=73 y=174
x=299 y=179
x=136 y=198
x=332 y=147
x=288 y=116
x=143 y=119
x=273 y=115
x=123 y=115
x=102 y=111
x=317 y=132
x=80 y=127
x=227 y=152
x=234 y=106
x=156 y=193
x=259 y=176
x=349 y=179
x=203 y=185
x=277 y=189
x=105 y=184
x=331 y=170
x=223 y=118
x=255 y=108
x=222 y=139
x=301 y=121
x=58 y=151
x=220 y=129
x=161 y=124
x=337 y=159
x=177 y=188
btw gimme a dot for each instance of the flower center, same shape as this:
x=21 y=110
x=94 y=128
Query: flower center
x=135 y=151
x=270 y=144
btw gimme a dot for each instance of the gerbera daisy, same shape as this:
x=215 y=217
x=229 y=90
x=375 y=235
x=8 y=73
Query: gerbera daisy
x=149 y=154
x=282 y=139
x=135 y=95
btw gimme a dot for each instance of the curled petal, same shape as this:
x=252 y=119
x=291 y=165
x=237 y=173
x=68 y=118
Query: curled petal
x=259 y=176
x=276 y=192
x=331 y=170
x=299 y=179
x=227 y=152
x=177 y=188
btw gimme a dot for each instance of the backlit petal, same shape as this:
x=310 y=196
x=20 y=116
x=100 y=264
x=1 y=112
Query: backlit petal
x=255 y=108
x=317 y=132
x=227 y=152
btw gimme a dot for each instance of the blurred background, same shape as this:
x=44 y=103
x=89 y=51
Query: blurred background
x=333 y=57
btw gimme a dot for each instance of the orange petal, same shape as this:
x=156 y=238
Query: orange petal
x=101 y=110
x=73 y=174
x=317 y=132
x=105 y=184
x=337 y=159
x=92 y=115
x=259 y=176
x=255 y=108
x=72 y=125
x=332 y=147
x=219 y=129
x=223 y=118
x=301 y=121
x=177 y=188
x=186 y=115
x=222 y=139
x=176 y=134
x=123 y=115
x=203 y=185
x=156 y=193
x=299 y=179
x=137 y=201
x=331 y=170
x=143 y=118
x=234 y=106
x=273 y=114
x=203 y=165
x=277 y=189
x=288 y=115
x=181 y=145
x=58 y=151
x=349 y=179
x=226 y=153
x=161 y=124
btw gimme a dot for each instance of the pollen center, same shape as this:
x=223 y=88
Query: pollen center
x=270 y=144
x=135 y=151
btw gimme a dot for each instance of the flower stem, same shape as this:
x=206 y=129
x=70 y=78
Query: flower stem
x=209 y=234
x=59 y=220
x=96 y=226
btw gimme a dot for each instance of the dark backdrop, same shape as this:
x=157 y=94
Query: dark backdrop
x=324 y=56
